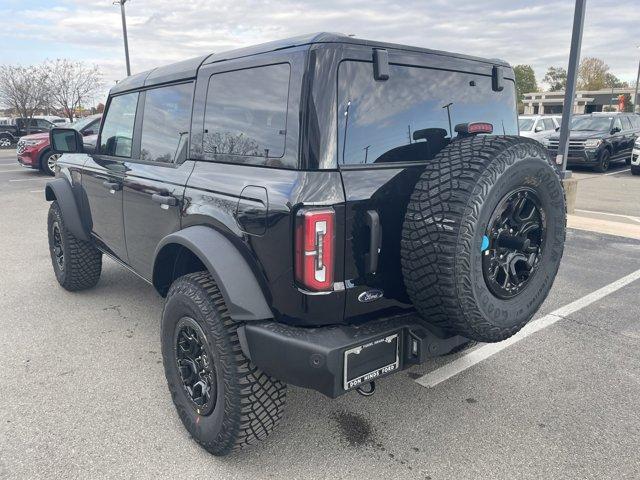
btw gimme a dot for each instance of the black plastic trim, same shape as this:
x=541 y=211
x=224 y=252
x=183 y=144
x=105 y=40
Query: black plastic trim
x=60 y=191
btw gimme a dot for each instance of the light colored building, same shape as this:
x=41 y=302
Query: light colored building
x=585 y=101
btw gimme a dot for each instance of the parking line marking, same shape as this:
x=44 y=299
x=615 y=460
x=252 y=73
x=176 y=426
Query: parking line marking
x=15 y=170
x=28 y=179
x=36 y=191
x=628 y=217
x=470 y=359
x=616 y=173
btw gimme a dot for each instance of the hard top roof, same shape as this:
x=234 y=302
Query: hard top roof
x=189 y=68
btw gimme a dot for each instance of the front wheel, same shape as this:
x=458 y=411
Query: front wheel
x=635 y=169
x=603 y=162
x=76 y=263
x=48 y=162
x=223 y=400
x=5 y=141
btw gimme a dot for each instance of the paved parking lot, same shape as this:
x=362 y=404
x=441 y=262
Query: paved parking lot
x=83 y=392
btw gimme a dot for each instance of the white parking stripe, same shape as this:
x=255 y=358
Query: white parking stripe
x=16 y=170
x=470 y=359
x=616 y=173
x=628 y=217
x=28 y=179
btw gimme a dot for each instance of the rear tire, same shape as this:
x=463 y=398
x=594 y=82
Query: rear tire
x=603 y=162
x=243 y=404
x=452 y=251
x=5 y=141
x=76 y=263
x=635 y=170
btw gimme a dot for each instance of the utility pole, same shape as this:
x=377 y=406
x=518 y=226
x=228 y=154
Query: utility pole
x=572 y=73
x=124 y=33
x=635 y=96
x=448 y=107
x=409 y=131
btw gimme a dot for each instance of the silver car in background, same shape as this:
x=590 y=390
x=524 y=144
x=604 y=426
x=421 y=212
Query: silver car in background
x=538 y=126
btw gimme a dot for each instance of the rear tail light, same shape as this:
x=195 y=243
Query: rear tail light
x=315 y=248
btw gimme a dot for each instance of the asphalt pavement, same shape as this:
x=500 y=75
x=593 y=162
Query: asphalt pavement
x=83 y=394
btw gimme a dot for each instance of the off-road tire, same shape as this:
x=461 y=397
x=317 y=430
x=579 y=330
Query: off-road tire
x=249 y=402
x=82 y=262
x=635 y=169
x=604 y=162
x=444 y=228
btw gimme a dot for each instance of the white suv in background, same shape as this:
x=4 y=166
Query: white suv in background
x=635 y=157
x=538 y=126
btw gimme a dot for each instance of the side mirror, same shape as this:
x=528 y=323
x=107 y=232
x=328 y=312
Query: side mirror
x=538 y=129
x=615 y=130
x=65 y=140
x=86 y=133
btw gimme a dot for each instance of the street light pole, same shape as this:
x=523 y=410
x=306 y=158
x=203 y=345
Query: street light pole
x=572 y=73
x=124 y=33
x=635 y=95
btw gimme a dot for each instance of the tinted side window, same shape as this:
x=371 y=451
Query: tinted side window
x=405 y=118
x=626 y=123
x=246 y=114
x=165 y=123
x=548 y=124
x=617 y=123
x=117 y=131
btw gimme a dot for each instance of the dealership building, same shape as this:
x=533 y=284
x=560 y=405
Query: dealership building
x=585 y=102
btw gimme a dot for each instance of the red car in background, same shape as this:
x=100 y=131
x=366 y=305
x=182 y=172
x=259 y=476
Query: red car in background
x=34 y=151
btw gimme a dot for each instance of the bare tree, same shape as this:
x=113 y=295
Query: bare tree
x=24 y=89
x=72 y=84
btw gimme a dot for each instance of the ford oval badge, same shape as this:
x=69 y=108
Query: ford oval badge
x=370 y=295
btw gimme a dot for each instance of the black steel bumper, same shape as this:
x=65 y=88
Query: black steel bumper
x=579 y=156
x=314 y=358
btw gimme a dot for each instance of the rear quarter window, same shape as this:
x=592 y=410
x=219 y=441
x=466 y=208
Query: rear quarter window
x=406 y=118
x=246 y=116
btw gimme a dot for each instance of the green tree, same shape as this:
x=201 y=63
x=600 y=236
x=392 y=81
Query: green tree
x=556 y=78
x=592 y=74
x=611 y=81
x=525 y=80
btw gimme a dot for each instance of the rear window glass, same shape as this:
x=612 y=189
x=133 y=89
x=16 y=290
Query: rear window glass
x=246 y=114
x=165 y=123
x=412 y=115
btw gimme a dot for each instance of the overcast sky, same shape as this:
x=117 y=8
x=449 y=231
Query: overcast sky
x=162 y=31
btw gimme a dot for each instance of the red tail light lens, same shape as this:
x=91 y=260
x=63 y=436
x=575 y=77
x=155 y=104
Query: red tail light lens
x=315 y=244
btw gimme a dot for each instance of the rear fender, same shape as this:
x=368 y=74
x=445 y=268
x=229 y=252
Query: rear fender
x=236 y=280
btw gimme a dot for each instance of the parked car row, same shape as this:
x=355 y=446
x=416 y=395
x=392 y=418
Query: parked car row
x=596 y=139
x=34 y=150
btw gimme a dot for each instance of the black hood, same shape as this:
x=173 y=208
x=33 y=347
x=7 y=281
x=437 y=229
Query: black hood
x=581 y=134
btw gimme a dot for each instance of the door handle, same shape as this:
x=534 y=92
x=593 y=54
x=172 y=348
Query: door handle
x=375 y=241
x=164 y=200
x=113 y=187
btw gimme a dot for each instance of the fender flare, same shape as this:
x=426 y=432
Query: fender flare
x=60 y=191
x=234 y=277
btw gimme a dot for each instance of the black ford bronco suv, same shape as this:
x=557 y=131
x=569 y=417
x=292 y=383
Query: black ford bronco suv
x=321 y=211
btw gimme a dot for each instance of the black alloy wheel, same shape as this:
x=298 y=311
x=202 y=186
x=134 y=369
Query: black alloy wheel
x=513 y=243
x=58 y=251
x=195 y=365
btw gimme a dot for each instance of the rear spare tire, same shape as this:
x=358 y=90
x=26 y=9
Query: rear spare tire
x=483 y=236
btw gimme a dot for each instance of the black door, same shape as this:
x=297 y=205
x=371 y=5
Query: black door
x=387 y=132
x=155 y=179
x=103 y=174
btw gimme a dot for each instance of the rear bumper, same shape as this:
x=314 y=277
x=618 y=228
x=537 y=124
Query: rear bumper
x=314 y=358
